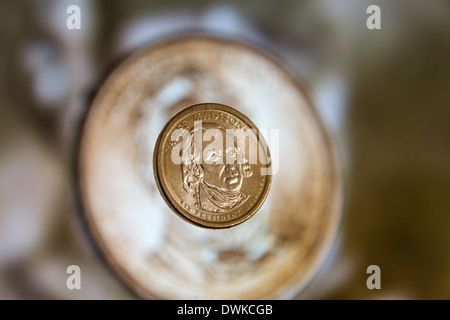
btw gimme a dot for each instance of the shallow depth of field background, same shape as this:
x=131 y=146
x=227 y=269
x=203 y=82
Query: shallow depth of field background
x=384 y=96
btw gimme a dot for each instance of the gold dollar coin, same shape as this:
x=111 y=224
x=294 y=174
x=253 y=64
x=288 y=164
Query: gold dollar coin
x=212 y=166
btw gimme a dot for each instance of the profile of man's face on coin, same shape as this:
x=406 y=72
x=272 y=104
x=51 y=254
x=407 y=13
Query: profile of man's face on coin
x=215 y=184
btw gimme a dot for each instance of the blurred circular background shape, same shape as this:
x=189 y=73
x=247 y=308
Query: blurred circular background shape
x=272 y=255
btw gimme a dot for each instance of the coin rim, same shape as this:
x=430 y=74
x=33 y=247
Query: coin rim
x=162 y=185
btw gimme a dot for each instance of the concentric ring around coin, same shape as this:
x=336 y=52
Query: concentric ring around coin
x=226 y=179
x=275 y=253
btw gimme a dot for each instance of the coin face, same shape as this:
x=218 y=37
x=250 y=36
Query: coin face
x=212 y=166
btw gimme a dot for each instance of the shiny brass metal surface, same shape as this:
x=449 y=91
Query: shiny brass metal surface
x=212 y=194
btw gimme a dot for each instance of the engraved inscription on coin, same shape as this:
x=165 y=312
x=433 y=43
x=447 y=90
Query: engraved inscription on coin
x=212 y=166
